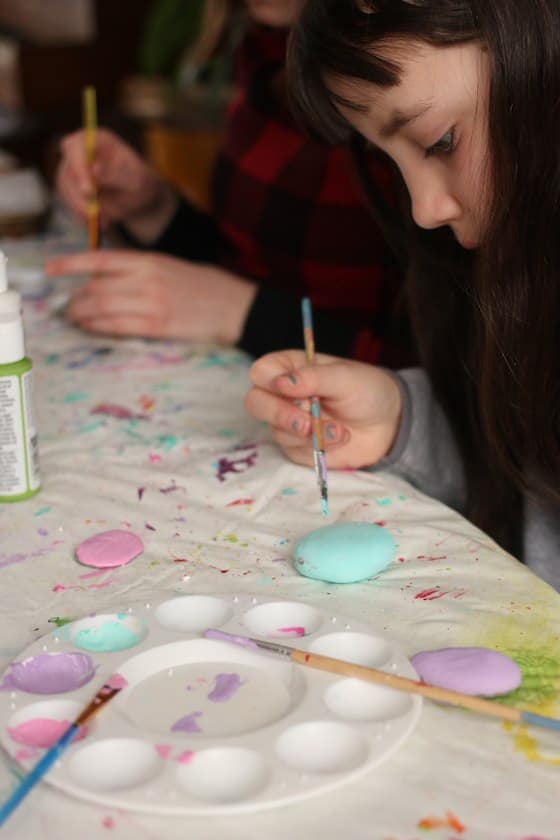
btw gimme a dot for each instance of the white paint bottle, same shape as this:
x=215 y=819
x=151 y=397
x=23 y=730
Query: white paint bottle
x=19 y=457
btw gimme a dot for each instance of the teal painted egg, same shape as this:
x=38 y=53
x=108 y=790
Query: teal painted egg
x=345 y=552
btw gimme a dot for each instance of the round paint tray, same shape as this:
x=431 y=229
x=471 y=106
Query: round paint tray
x=203 y=726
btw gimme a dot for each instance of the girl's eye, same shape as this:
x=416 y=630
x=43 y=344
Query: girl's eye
x=444 y=146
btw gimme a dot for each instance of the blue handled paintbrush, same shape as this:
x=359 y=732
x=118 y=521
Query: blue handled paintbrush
x=44 y=764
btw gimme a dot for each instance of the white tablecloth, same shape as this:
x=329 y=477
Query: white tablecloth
x=154 y=468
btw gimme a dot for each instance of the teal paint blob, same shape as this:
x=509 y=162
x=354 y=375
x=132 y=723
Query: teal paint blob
x=345 y=552
x=110 y=636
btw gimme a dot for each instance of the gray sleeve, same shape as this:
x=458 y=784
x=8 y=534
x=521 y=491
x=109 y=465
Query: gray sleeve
x=425 y=452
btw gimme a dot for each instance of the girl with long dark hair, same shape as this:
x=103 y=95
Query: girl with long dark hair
x=464 y=97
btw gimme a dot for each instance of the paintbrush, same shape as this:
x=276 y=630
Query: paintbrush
x=361 y=672
x=89 y=117
x=316 y=422
x=106 y=693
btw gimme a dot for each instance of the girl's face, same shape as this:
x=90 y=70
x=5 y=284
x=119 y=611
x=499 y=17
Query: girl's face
x=274 y=12
x=434 y=126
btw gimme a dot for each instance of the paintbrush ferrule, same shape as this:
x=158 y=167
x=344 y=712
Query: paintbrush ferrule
x=274 y=647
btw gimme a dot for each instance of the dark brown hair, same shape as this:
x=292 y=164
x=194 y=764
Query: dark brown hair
x=487 y=326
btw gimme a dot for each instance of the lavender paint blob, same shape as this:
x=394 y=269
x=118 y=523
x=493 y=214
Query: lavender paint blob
x=225 y=687
x=49 y=673
x=470 y=670
x=187 y=723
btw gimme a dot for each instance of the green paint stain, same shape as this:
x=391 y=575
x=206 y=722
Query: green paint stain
x=75 y=396
x=227 y=433
x=91 y=427
x=231 y=538
x=168 y=442
x=540 y=673
x=383 y=502
x=42 y=510
x=60 y=622
x=52 y=359
x=289 y=491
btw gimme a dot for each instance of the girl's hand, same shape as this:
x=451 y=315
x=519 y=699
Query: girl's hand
x=155 y=296
x=130 y=191
x=360 y=407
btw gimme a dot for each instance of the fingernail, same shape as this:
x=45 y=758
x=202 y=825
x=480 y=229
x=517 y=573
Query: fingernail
x=291 y=378
x=295 y=425
x=330 y=431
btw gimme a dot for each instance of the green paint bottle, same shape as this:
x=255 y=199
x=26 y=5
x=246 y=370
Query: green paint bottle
x=19 y=459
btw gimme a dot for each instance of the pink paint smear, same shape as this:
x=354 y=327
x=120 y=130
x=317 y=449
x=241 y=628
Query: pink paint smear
x=292 y=631
x=42 y=732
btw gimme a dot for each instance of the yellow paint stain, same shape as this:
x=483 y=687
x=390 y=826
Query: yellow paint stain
x=526 y=744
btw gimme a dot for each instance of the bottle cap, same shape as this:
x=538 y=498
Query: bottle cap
x=12 y=346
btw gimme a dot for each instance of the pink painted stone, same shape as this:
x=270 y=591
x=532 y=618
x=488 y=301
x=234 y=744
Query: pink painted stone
x=469 y=670
x=109 y=549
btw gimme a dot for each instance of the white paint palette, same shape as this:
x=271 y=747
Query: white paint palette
x=204 y=726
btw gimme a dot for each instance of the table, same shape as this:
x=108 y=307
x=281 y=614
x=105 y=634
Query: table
x=153 y=437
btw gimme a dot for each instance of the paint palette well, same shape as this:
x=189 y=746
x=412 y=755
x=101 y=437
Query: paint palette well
x=203 y=726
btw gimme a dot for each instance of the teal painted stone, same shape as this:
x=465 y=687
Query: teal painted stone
x=345 y=552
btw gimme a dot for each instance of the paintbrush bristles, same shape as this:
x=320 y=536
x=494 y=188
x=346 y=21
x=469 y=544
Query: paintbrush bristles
x=102 y=697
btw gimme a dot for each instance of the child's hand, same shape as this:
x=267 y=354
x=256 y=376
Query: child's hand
x=360 y=406
x=155 y=296
x=129 y=190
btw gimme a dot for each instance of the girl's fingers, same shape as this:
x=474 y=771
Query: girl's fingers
x=266 y=369
x=283 y=415
x=278 y=412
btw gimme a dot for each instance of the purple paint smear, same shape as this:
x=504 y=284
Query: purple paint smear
x=49 y=673
x=225 y=465
x=221 y=636
x=117 y=411
x=225 y=687
x=187 y=723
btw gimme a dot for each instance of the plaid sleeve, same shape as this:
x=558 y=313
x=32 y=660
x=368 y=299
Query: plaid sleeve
x=189 y=234
x=293 y=220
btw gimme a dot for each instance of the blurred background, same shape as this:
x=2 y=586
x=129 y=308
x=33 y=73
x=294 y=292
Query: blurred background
x=135 y=53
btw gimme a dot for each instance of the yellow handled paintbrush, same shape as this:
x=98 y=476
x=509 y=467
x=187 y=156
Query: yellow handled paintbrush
x=89 y=108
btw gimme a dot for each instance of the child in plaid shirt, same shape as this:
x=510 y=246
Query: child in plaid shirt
x=287 y=220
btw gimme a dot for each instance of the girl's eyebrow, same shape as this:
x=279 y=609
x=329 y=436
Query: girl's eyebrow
x=399 y=119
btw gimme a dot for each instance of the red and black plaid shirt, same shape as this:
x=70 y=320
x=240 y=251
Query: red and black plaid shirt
x=290 y=216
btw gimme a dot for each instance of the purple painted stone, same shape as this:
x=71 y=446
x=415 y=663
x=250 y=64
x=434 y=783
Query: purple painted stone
x=50 y=673
x=469 y=670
